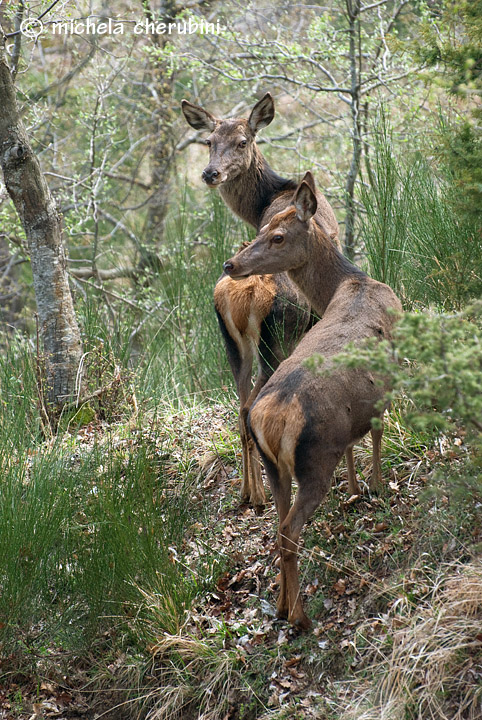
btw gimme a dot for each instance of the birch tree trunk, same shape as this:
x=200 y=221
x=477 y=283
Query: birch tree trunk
x=42 y=223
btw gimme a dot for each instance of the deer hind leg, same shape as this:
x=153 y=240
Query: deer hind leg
x=252 y=489
x=243 y=383
x=309 y=496
x=353 y=487
x=280 y=484
x=376 y=478
x=240 y=353
x=257 y=494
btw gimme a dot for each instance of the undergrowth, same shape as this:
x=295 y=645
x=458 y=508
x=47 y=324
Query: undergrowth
x=426 y=663
x=122 y=539
x=415 y=239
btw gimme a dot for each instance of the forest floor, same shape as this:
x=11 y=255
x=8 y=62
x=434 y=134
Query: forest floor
x=368 y=565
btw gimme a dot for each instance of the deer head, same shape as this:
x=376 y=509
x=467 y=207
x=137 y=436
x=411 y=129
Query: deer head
x=232 y=146
x=284 y=243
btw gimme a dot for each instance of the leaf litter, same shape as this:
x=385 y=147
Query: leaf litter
x=346 y=555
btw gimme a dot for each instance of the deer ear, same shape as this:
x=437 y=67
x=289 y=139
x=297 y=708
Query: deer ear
x=262 y=113
x=309 y=180
x=198 y=117
x=305 y=202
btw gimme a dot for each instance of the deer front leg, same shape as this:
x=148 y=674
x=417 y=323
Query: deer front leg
x=376 y=478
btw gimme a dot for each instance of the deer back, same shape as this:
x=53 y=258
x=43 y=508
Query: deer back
x=301 y=410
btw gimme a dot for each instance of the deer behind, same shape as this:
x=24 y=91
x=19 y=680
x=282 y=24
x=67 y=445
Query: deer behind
x=303 y=423
x=264 y=317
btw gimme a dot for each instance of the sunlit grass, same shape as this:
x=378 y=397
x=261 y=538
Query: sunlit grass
x=415 y=239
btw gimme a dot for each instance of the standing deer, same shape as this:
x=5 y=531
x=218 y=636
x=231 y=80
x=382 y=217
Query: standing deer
x=303 y=423
x=265 y=316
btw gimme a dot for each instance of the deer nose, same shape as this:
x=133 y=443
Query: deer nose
x=209 y=175
x=228 y=267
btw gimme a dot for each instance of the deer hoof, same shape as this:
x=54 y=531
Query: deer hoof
x=301 y=622
x=245 y=497
x=375 y=486
x=282 y=611
x=258 y=501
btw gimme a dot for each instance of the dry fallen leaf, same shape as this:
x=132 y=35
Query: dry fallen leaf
x=312 y=588
x=380 y=527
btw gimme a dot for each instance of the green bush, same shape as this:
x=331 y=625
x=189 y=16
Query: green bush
x=84 y=525
x=436 y=360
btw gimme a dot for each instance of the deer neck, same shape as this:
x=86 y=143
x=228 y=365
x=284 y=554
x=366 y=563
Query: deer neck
x=326 y=270
x=252 y=191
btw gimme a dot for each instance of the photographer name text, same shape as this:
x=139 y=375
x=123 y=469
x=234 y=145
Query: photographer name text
x=111 y=26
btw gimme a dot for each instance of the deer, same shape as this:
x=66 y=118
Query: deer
x=262 y=317
x=304 y=422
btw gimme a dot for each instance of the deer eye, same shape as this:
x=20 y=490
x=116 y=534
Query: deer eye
x=242 y=144
x=277 y=239
x=208 y=143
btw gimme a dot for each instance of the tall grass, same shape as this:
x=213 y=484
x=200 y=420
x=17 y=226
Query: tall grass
x=19 y=413
x=85 y=528
x=172 y=341
x=76 y=544
x=196 y=246
x=88 y=530
x=423 y=666
x=414 y=238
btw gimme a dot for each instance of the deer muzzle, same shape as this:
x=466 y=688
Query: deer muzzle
x=230 y=268
x=211 y=177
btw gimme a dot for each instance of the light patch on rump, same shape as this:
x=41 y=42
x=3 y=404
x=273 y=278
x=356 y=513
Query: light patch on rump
x=277 y=427
x=246 y=302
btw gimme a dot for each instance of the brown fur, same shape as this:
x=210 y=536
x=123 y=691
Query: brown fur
x=303 y=423
x=278 y=426
x=255 y=193
x=249 y=298
x=256 y=189
x=246 y=182
x=283 y=215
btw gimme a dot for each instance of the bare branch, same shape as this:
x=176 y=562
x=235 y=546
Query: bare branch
x=44 y=92
x=42 y=15
x=364 y=8
x=109 y=293
x=108 y=274
x=196 y=138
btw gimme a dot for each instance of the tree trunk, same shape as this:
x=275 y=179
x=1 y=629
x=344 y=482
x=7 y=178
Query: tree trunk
x=163 y=118
x=42 y=223
x=353 y=12
x=162 y=155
